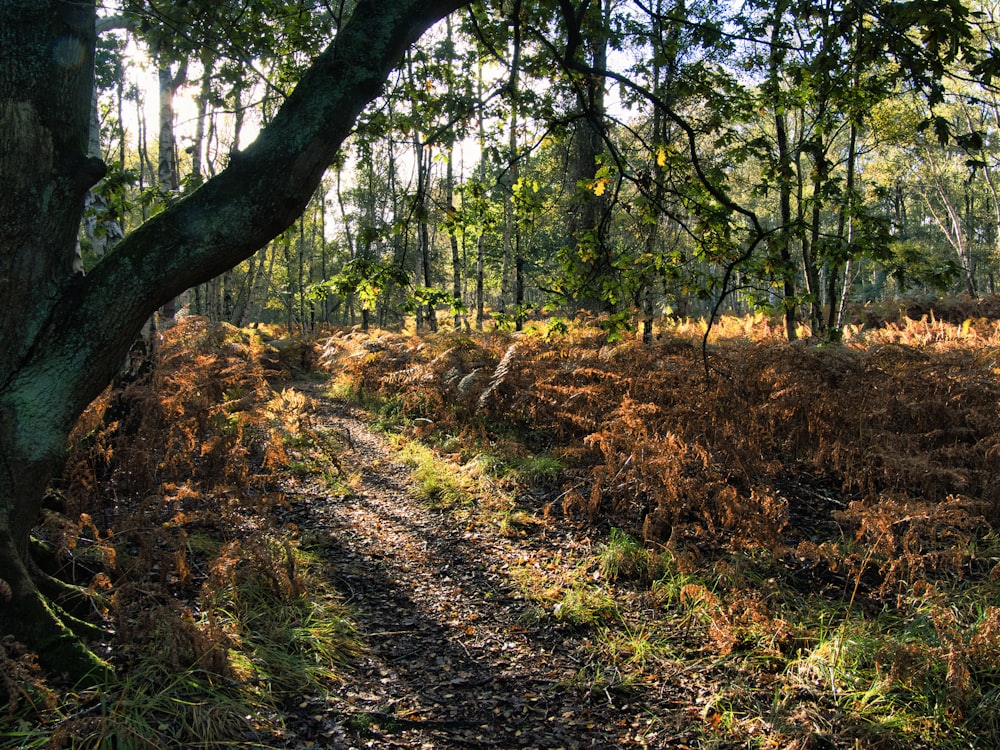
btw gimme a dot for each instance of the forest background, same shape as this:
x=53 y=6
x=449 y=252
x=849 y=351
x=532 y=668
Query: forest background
x=539 y=167
x=680 y=160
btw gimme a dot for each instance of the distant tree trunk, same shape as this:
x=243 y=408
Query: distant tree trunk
x=287 y=293
x=348 y=312
x=101 y=224
x=845 y=225
x=167 y=172
x=423 y=227
x=810 y=246
x=585 y=225
x=519 y=306
x=481 y=240
x=456 y=260
x=658 y=171
x=989 y=172
x=167 y=169
x=207 y=295
x=237 y=315
x=226 y=311
x=324 y=302
x=510 y=213
x=786 y=175
x=480 y=290
x=300 y=259
x=949 y=220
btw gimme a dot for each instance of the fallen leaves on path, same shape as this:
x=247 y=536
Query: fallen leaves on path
x=456 y=656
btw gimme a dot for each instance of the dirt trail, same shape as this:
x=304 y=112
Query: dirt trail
x=455 y=656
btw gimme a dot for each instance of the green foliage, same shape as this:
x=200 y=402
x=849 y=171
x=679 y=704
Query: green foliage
x=534 y=469
x=584 y=605
x=623 y=558
x=365 y=279
x=290 y=634
x=437 y=481
x=680 y=208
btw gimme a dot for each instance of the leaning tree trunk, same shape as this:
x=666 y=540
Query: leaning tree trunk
x=46 y=79
x=63 y=335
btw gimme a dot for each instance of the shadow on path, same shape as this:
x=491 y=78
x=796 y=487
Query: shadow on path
x=455 y=657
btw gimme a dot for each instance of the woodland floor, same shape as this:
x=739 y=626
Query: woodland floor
x=455 y=656
x=827 y=575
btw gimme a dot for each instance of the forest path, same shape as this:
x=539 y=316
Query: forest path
x=455 y=655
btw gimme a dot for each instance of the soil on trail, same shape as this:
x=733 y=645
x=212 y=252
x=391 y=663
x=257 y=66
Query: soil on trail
x=455 y=656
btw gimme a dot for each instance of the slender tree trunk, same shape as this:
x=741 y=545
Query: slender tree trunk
x=147 y=174
x=845 y=224
x=658 y=187
x=226 y=310
x=456 y=260
x=991 y=182
x=300 y=265
x=949 y=220
x=264 y=283
x=510 y=210
x=785 y=173
x=519 y=306
x=789 y=304
x=423 y=227
x=101 y=224
x=237 y=313
x=206 y=295
x=323 y=273
x=348 y=312
x=167 y=167
x=811 y=245
x=421 y=212
x=481 y=240
x=288 y=292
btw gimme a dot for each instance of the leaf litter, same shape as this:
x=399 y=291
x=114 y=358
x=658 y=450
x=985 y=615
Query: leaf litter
x=456 y=656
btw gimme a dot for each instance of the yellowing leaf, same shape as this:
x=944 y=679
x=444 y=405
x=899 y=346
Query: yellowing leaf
x=661 y=157
x=599 y=187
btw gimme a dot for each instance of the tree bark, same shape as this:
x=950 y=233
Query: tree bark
x=510 y=213
x=588 y=210
x=64 y=335
x=785 y=175
x=481 y=240
x=46 y=79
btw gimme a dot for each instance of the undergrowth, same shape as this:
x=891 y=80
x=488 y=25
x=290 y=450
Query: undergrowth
x=891 y=439
x=169 y=516
x=813 y=528
x=816 y=521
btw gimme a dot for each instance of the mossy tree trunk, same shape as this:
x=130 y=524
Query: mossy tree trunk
x=63 y=335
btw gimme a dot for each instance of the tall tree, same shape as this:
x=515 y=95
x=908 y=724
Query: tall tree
x=587 y=34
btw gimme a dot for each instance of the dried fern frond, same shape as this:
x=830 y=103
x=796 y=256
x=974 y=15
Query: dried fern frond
x=499 y=375
x=406 y=376
x=426 y=372
x=467 y=385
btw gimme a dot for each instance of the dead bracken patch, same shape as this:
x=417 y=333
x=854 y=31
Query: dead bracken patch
x=592 y=545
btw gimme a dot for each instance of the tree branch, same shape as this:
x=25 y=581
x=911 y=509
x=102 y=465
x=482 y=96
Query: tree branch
x=231 y=216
